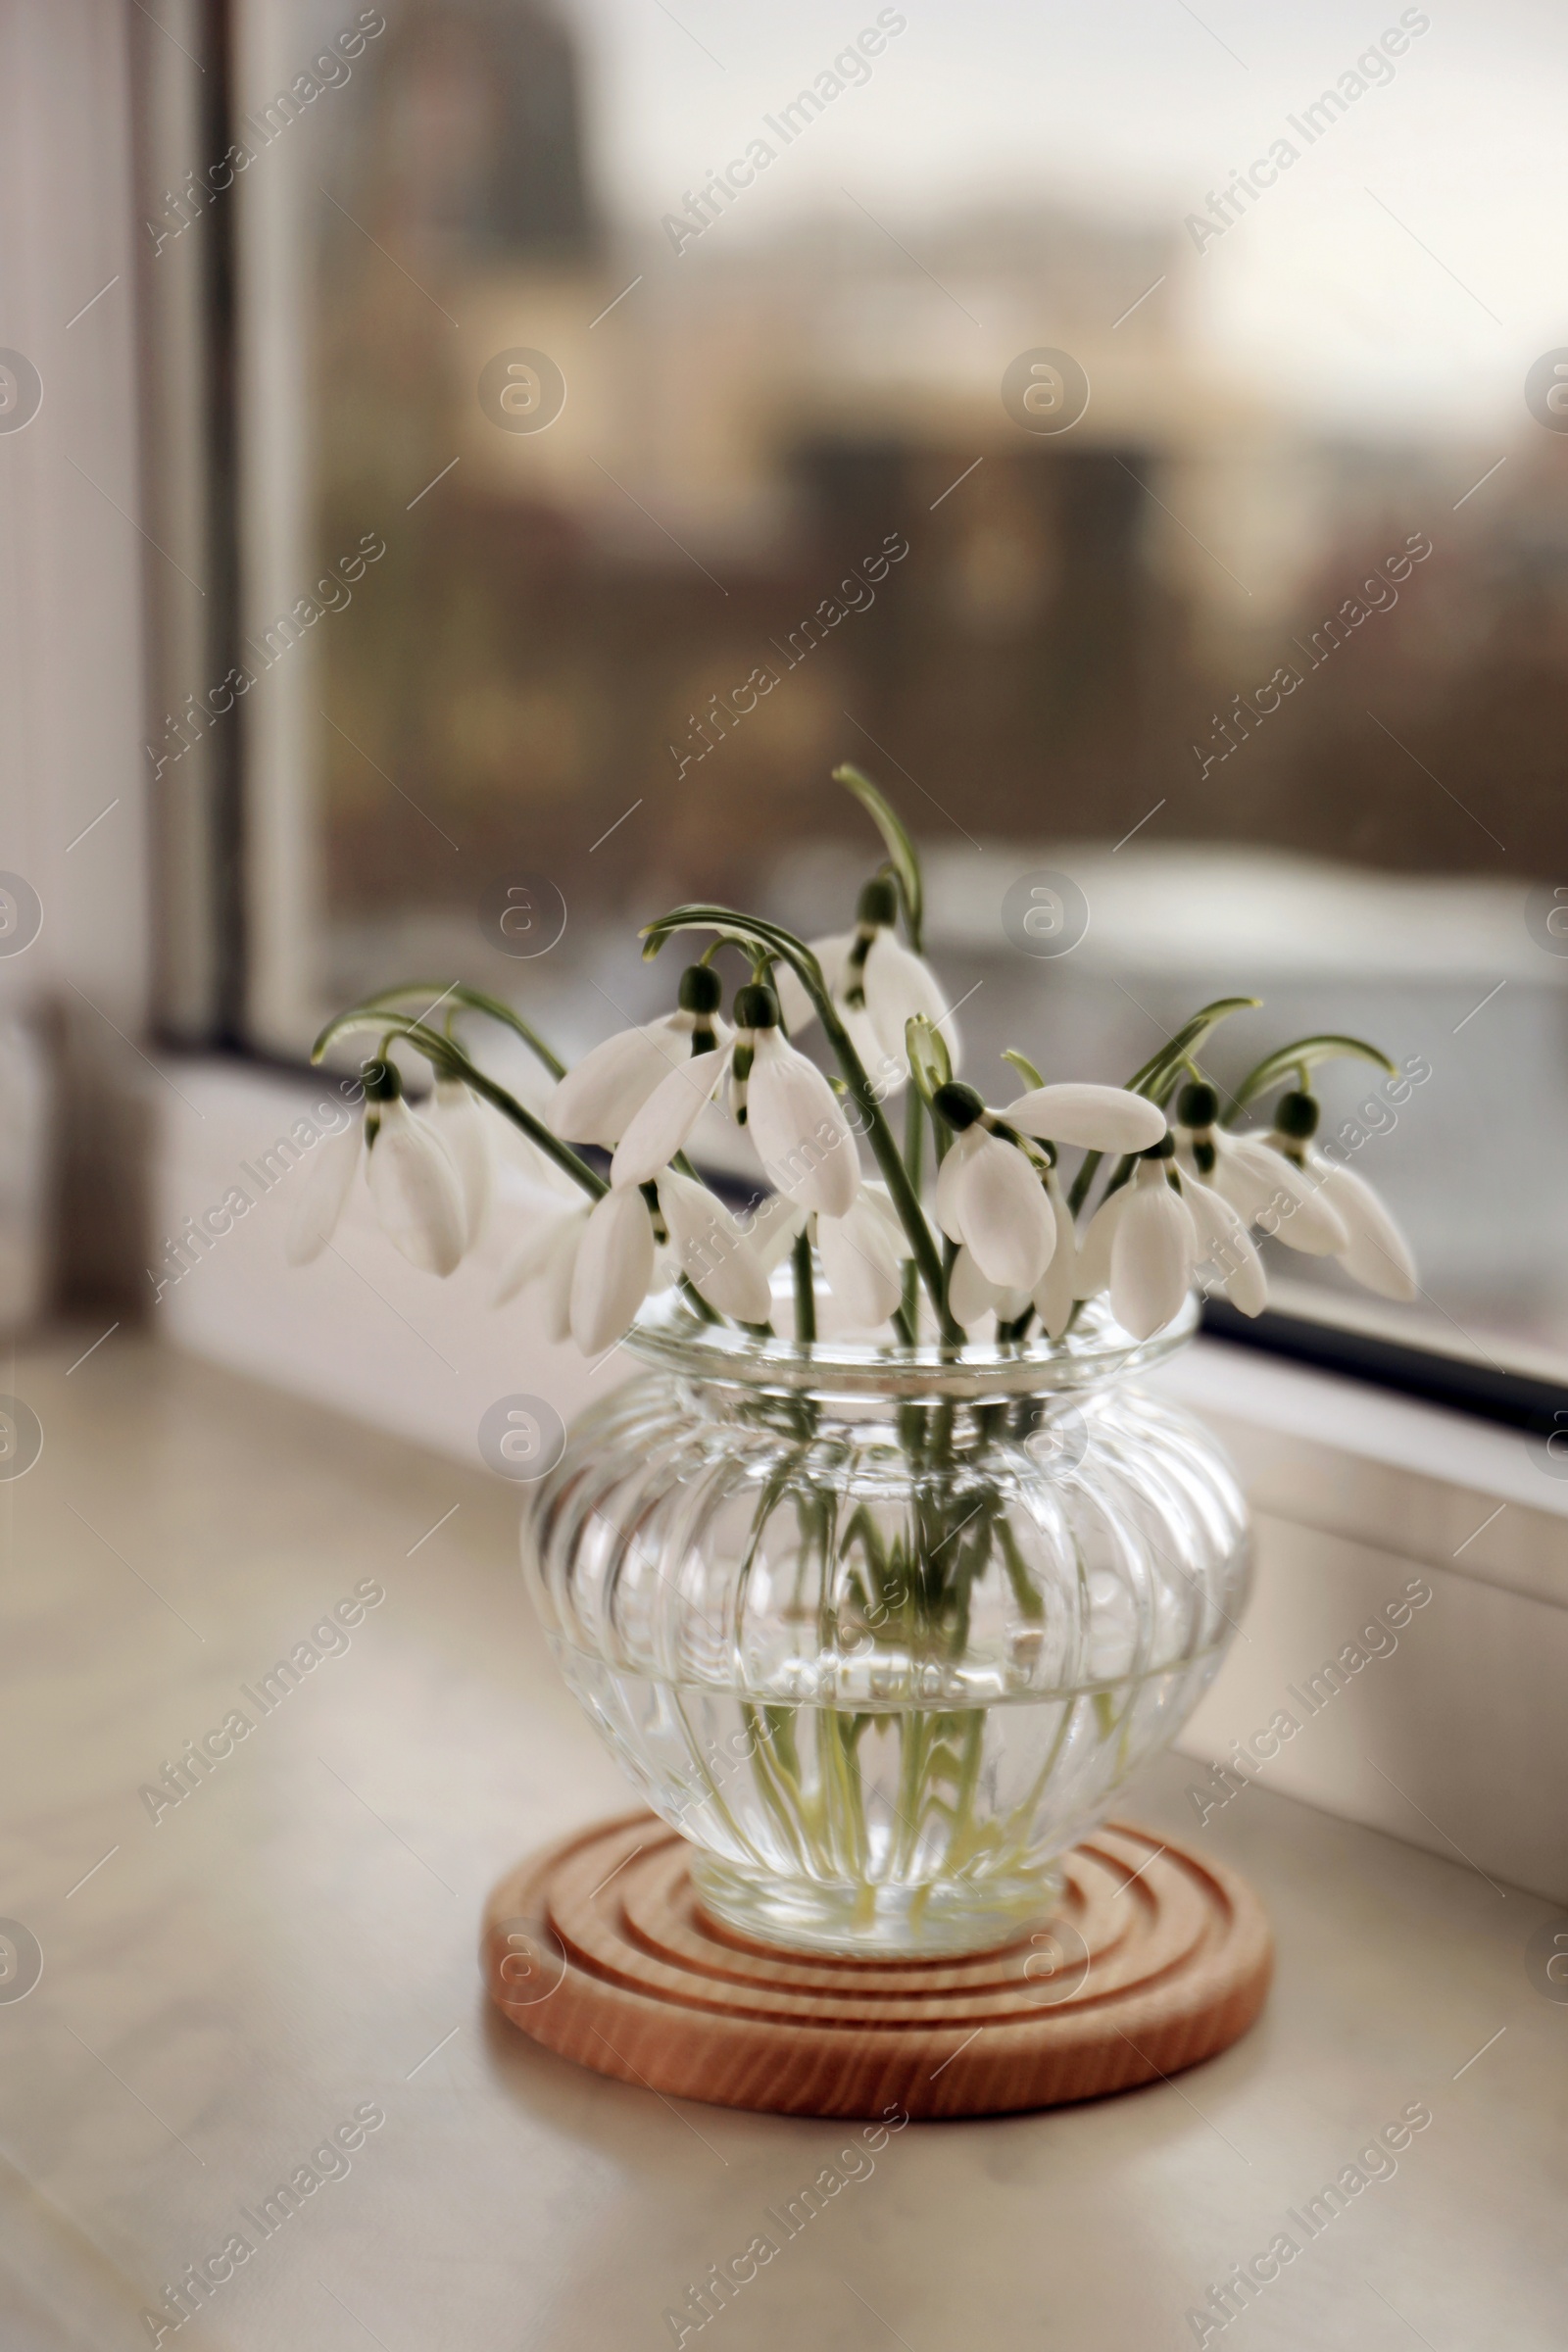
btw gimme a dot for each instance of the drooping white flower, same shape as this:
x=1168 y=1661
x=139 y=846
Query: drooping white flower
x=991 y=1194
x=614 y=1270
x=806 y=1147
x=1150 y=1239
x=597 y=1101
x=595 y=1267
x=1374 y=1250
x=990 y=1200
x=877 y=986
x=548 y=1255
x=329 y=1180
x=1262 y=1185
x=463 y=1123
x=414 y=1181
x=1378 y=1255
x=416 y=1187
x=863 y=1255
x=598 y=1264
x=720 y=1260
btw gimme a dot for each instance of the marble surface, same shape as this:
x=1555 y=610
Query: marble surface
x=226 y=1987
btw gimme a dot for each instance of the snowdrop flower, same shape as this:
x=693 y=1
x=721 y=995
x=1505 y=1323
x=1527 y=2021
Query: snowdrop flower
x=463 y=1123
x=863 y=1255
x=597 y=1264
x=1375 y=1251
x=720 y=1258
x=1147 y=1239
x=324 y=1196
x=991 y=1197
x=877 y=983
x=806 y=1147
x=413 y=1180
x=595 y=1103
x=1264 y=1187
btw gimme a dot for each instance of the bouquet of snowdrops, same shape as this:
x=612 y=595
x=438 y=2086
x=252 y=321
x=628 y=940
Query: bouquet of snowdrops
x=965 y=1228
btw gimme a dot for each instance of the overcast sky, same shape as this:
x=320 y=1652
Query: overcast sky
x=1137 y=108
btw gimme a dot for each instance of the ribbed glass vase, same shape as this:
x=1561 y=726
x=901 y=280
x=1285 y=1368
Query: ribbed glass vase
x=883 y=1631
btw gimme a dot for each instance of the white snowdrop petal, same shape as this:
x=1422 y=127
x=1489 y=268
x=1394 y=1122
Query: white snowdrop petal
x=660 y=1129
x=463 y=1123
x=416 y=1190
x=969 y=1294
x=949 y=1176
x=1150 y=1259
x=713 y=1251
x=1227 y=1247
x=899 y=984
x=595 y=1102
x=1378 y=1253
x=1004 y=1214
x=1055 y=1294
x=555 y=1290
x=1299 y=1213
x=805 y=1148
x=1243 y=1174
x=862 y=1265
x=614 y=1270
x=536 y=1253
x=325 y=1190
x=1094 y=1250
x=879 y=1204
x=775 y=1225
x=1100 y=1119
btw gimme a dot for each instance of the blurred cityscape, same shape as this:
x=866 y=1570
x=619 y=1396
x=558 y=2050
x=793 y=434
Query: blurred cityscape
x=783 y=455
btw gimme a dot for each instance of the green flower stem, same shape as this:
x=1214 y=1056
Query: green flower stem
x=805 y=1290
x=1299 y=1057
x=475 y=1001
x=783 y=944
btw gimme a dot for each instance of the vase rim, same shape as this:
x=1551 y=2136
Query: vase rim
x=671 y=1336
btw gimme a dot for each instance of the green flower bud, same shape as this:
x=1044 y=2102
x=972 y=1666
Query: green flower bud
x=878 y=902
x=383 y=1081
x=958 y=1105
x=701 y=988
x=1198 y=1105
x=1296 y=1116
x=756 y=1006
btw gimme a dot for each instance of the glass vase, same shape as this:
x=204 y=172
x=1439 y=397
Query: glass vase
x=883 y=1631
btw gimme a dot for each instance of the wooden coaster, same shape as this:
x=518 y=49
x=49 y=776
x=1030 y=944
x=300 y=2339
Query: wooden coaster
x=600 y=1948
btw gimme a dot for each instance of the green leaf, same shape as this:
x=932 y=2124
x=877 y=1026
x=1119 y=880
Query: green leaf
x=1159 y=1074
x=1025 y=1069
x=1306 y=1054
x=900 y=848
x=929 y=1059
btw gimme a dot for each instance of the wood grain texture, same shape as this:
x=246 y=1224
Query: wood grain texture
x=599 y=1948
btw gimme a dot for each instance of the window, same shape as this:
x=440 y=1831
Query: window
x=1110 y=429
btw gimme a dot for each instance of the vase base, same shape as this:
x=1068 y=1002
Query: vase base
x=882 y=1922
x=1152 y=1959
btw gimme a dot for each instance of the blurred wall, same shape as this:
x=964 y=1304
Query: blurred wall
x=72 y=777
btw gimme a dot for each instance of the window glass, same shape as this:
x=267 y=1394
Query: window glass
x=1126 y=434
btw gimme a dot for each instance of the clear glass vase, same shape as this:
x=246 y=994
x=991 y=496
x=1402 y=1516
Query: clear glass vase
x=882 y=1630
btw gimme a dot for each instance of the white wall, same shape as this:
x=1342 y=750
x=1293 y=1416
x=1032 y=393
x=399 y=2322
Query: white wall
x=69 y=585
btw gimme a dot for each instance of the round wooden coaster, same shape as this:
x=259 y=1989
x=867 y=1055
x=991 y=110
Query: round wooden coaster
x=598 y=1947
